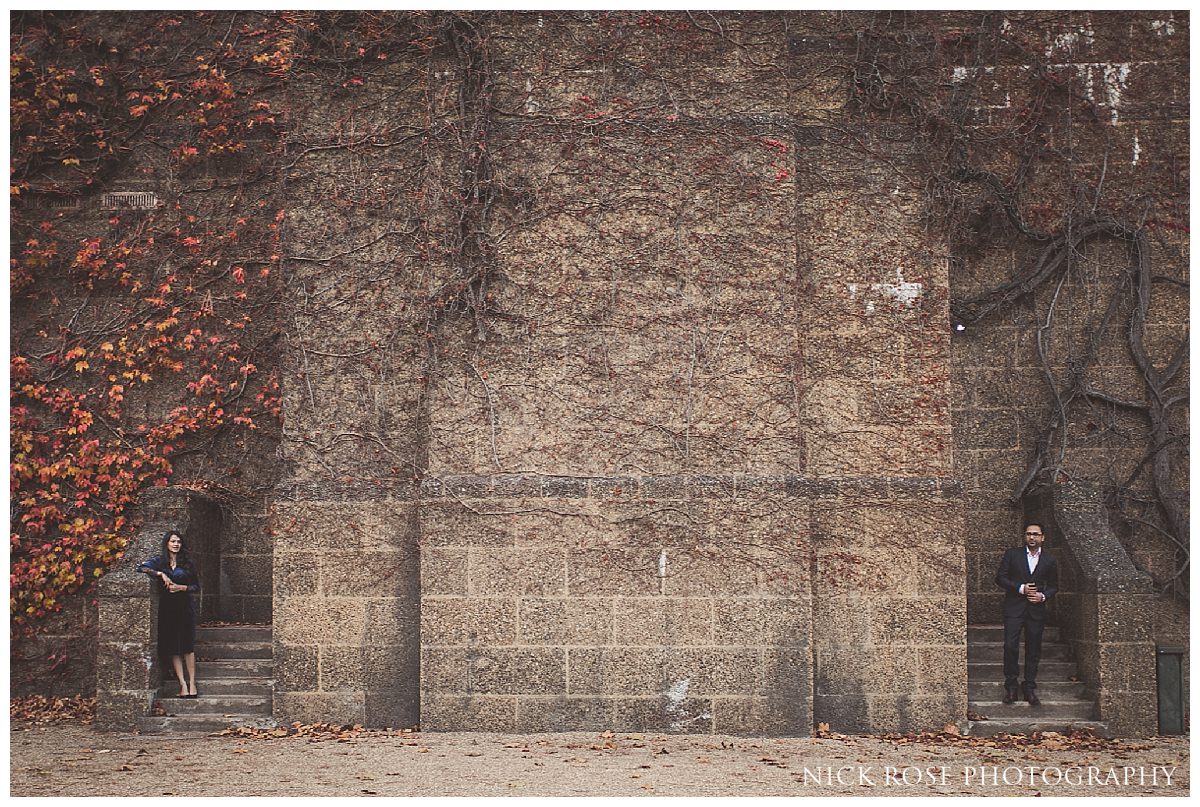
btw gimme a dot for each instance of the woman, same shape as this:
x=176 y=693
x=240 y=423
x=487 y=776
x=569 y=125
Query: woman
x=176 y=614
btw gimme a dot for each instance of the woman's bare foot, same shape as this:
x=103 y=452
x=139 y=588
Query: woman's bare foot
x=192 y=692
x=183 y=690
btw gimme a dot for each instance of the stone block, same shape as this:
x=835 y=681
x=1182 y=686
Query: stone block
x=525 y=570
x=121 y=711
x=1125 y=617
x=1127 y=667
x=1129 y=714
x=466 y=524
x=842 y=620
x=986 y=430
x=77 y=616
x=257 y=610
x=124 y=667
x=392 y=708
x=613 y=571
x=663 y=621
x=394 y=622
x=468 y=713
x=941 y=670
x=345 y=707
x=463 y=621
x=445 y=670
x=319 y=620
x=764 y=622
x=664 y=714
x=296 y=574
x=712 y=671
x=307 y=526
x=927 y=620
x=368 y=573
x=511 y=486
x=245 y=574
x=341 y=668
x=889 y=567
x=569 y=487
x=904 y=712
x=562 y=621
x=443 y=570
x=125 y=619
x=736 y=571
x=124 y=583
x=615 y=671
x=762 y=717
x=517 y=671
x=296 y=668
x=855 y=670
x=538 y=715
x=848 y=714
x=985 y=607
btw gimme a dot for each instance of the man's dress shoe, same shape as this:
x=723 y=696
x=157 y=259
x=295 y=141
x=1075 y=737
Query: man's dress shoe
x=1031 y=696
x=1010 y=695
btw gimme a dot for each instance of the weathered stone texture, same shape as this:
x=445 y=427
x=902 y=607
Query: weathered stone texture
x=620 y=387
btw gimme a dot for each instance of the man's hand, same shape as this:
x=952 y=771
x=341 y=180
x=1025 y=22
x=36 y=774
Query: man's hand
x=1031 y=592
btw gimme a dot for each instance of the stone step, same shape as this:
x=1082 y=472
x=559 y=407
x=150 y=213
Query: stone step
x=985 y=671
x=995 y=633
x=233 y=633
x=1056 y=690
x=995 y=652
x=1073 y=709
x=994 y=726
x=202 y=723
x=218 y=705
x=234 y=668
x=245 y=687
x=216 y=651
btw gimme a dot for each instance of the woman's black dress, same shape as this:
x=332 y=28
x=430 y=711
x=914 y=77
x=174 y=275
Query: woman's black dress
x=176 y=611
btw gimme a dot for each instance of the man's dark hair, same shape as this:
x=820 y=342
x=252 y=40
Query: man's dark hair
x=1037 y=524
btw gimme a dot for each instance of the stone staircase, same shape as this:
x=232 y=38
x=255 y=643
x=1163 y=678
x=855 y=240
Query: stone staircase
x=1064 y=705
x=233 y=680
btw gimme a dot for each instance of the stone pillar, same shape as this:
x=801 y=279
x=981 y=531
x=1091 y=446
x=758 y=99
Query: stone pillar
x=1109 y=618
x=343 y=517
x=889 y=604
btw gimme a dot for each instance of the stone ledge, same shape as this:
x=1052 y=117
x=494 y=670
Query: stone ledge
x=651 y=487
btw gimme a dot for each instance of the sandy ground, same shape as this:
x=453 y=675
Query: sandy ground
x=69 y=759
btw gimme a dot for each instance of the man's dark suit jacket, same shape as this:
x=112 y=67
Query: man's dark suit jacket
x=1014 y=573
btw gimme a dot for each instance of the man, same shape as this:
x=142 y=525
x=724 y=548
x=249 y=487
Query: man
x=1029 y=577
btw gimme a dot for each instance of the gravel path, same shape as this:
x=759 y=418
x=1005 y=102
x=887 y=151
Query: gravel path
x=69 y=759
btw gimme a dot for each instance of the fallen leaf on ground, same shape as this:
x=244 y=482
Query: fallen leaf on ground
x=42 y=709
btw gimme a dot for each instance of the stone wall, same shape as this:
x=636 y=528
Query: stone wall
x=672 y=483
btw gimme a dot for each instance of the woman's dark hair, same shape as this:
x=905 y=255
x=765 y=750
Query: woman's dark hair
x=183 y=559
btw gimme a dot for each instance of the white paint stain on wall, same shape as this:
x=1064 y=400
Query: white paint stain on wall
x=676 y=695
x=1137 y=149
x=901 y=292
x=1116 y=76
x=1163 y=27
x=1068 y=40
